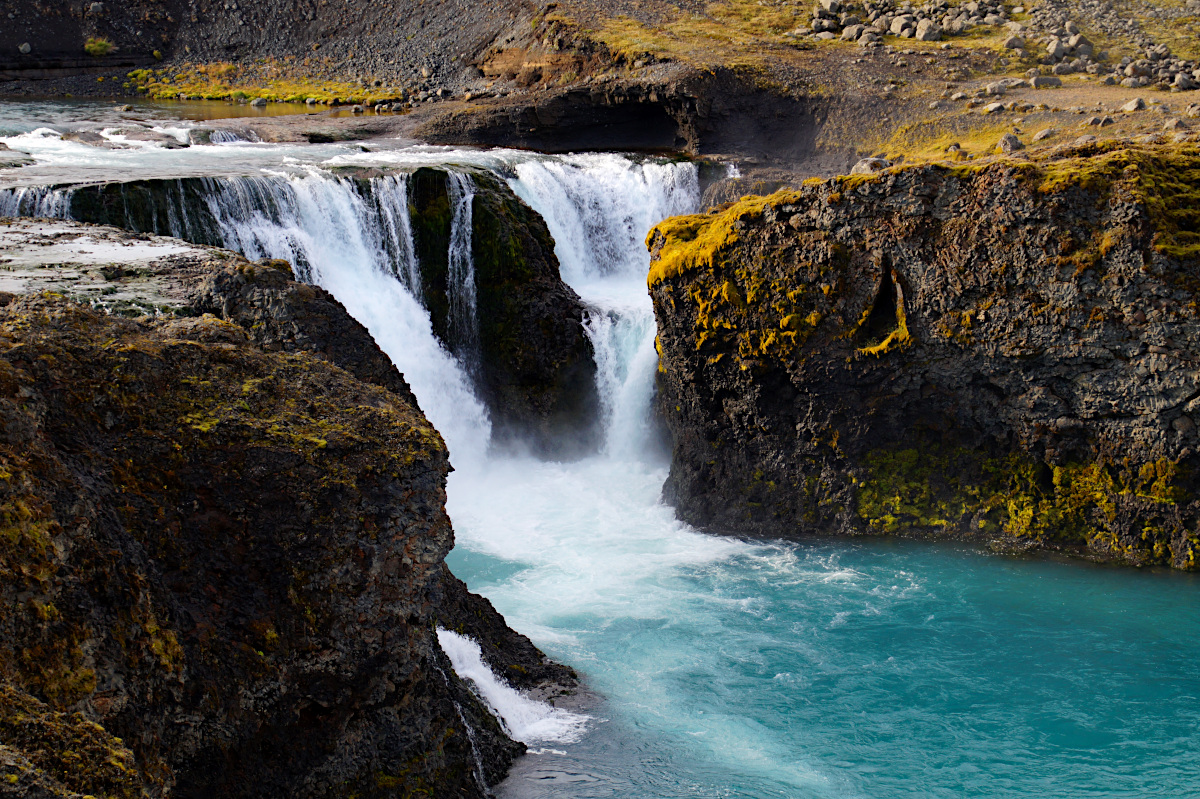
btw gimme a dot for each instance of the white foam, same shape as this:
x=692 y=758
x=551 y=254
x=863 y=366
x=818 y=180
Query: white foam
x=524 y=719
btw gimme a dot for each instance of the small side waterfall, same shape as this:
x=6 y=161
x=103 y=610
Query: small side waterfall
x=477 y=759
x=389 y=198
x=599 y=209
x=464 y=321
x=37 y=201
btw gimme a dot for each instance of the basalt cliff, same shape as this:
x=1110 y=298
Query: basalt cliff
x=222 y=533
x=1005 y=352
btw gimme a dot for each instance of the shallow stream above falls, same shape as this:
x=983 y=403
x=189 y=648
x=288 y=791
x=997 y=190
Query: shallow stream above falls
x=725 y=668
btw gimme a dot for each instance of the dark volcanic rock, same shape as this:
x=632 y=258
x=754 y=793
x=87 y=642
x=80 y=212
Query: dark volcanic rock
x=1005 y=352
x=535 y=366
x=222 y=554
x=281 y=315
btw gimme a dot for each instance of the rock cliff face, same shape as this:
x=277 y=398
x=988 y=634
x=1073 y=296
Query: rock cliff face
x=221 y=554
x=1004 y=352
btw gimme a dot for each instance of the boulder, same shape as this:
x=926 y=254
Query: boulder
x=824 y=315
x=1045 y=82
x=928 y=31
x=866 y=166
x=1136 y=104
x=1009 y=144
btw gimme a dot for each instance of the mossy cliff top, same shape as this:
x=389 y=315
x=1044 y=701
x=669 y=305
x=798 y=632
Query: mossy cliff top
x=1163 y=178
x=1001 y=350
x=208 y=550
x=222 y=548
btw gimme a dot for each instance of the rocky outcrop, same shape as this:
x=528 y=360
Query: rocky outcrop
x=534 y=362
x=1002 y=351
x=221 y=551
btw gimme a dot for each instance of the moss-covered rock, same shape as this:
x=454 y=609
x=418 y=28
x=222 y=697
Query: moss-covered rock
x=536 y=370
x=1002 y=351
x=221 y=553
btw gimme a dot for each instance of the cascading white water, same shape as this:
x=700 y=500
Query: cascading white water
x=599 y=209
x=389 y=195
x=464 y=321
x=361 y=251
x=524 y=719
x=35 y=201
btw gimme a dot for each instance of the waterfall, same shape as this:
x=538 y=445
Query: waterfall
x=389 y=196
x=355 y=238
x=581 y=528
x=524 y=719
x=358 y=245
x=476 y=758
x=37 y=201
x=463 y=322
x=599 y=209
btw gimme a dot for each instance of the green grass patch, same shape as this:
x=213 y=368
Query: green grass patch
x=98 y=46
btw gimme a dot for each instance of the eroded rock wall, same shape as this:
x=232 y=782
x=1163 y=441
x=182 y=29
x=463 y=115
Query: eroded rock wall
x=1004 y=352
x=221 y=553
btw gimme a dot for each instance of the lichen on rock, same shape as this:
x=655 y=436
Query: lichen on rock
x=1001 y=351
x=222 y=542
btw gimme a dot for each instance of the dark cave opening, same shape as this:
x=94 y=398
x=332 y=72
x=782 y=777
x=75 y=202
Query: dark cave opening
x=884 y=317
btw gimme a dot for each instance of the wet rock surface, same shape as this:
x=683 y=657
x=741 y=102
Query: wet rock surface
x=1001 y=352
x=223 y=552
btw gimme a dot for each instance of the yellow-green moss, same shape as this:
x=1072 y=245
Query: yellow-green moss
x=934 y=488
x=1166 y=179
x=79 y=754
x=277 y=81
x=693 y=242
